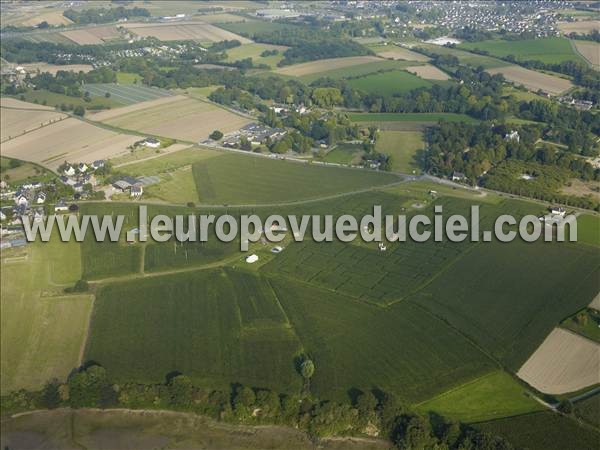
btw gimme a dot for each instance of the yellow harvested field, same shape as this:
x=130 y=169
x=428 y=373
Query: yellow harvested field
x=428 y=72
x=322 y=65
x=117 y=112
x=93 y=35
x=533 y=80
x=581 y=26
x=179 y=31
x=565 y=362
x=9 y=102
x=402 y=53
x=186 y=119
x=67 y=140
x=53 y=68
x=14 y=122
x=590 y=51
x=53 y=18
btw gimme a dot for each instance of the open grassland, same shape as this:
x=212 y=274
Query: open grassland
x=548 y=50
x=565 y=362
x=186 y=119
x=22 y=172
x=169 y=163
x=588 y=229
x=428 y=72
x=355 y=345
x=53 y=99
x=126 y=94
x=15 y=122
x=465 y=57
x=388 y=83
x=580 y=26
x=395 y=52
x=180 y=31
x=533 y=80
x=344 y=154
x=543 y=431
x=254 y=51
x=121 y=429
x=221 y=18
x=585 y=323
x=69 y=139
x=92 y=35
x=406 y=121
x=250 y=27
x=359 y=70
x=506 y=317
x=234 y=328
x=590 y=51
x=494 y=395
x=403 y=147
x=42 y=329
x=52 y=17
x=53 y=68
x=238 y=179
x=589 y=410
x=325 y=65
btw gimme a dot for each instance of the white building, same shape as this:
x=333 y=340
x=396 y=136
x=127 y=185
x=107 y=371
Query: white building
x=252 y=259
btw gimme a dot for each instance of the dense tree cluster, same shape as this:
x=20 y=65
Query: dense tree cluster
x=369 y=413
x=104 y=15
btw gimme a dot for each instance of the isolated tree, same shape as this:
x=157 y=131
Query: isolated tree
x=245 y=144
x=79 y=110
x=307 y=370
x=216 y=135
x=565 y=406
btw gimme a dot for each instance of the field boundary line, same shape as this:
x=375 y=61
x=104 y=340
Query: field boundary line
x=88 y=330
x=460 y=386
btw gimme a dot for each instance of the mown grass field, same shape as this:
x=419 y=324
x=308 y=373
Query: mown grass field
x=355 y=345
x=466 y=57
x=239 y=179
x=254 y=51
x=402 y=147
x=389 y=83
x=217 y=327
x=126 y=94
x=251 y=27
x=495 y=318
x=588 y=229
x=44 y=97
x=42 y=329
x=492 y=396
x=543 y=431
x=410 y=117
x=356 y=71
x=589 y=410
x=548 y=50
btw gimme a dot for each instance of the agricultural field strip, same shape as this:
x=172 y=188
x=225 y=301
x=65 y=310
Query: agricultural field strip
x=129 y=94
x=532 y=79
x=324 y=65
x=16 y=121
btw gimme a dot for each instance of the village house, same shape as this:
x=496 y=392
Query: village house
x=458 y=176
x=61 y=206
x=69 y=171
x=558 y=211
x=136 y=190
x=512 y=136
x=151 y=142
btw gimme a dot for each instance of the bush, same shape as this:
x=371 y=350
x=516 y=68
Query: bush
x=216 y=135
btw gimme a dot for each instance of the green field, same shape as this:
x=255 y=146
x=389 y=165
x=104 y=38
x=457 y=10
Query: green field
x=216 y=326
x=254 y=51
x=359 y=70
x=344 y=154
x=403 y=147
x=466 y=57
x=543 y=431
x=126 y=94
x=250 y=27
x=548 y=50
x=589 y=410
x=588 y=229
x=494 y=318
x=586 y=322
x=389 y=83
x=22 y=171
x=44 y=97
x=494 y=395
x=42 y=329
x=128 y=78
x=239 y=179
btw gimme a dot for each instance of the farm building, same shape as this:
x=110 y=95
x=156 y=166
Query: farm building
x=252 y=259
x=136 y=190
x=151 y=142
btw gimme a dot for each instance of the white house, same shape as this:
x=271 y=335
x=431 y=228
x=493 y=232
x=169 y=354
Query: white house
x=40 y=198
x=151 y=142
x=513 y=136
x=69 y=171
x=21 y=199
x=458 y=176
x=136 y=190
x=82 y=167
x=252 y=259
x=558 y=211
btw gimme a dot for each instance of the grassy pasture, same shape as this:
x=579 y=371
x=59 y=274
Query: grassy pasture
x=217 y=327
x=507 y=317
x=494 y=395
x=239 y=179
x=543 y=431
x=254 y=51
x=588 y=229
x=355 y=345
x=402 y=146
x=24 y=171
x=466 y=57
x=358 y=70
x=45 y=97
x=251 y=27
x=548 y=50
x=343 y=154
x=389 y=83
x=586 y=323
x=42 y=329
x=126 y=94
x=589 y=410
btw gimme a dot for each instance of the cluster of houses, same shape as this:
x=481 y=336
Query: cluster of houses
x=582 y=105
x=256 y=133
x=78 y=175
